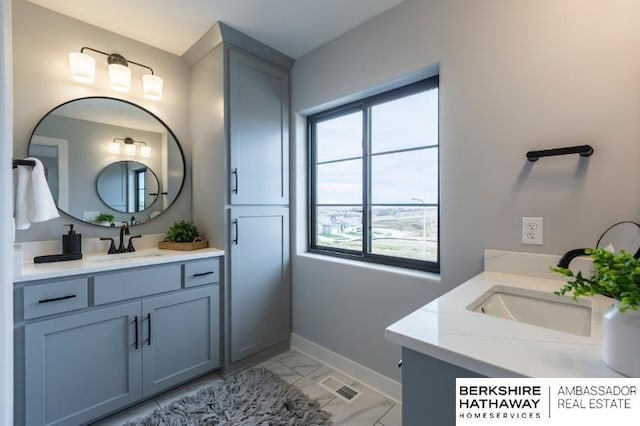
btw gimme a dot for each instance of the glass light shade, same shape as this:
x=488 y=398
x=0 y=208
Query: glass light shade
x=120 y=78
x=152 y=86
x=145 y=151
x=83 y=67
x=114 y=147
x=130 y=149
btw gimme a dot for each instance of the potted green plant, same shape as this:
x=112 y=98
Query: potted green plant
x=183 y=235
x=616 y=275
x=104 y=219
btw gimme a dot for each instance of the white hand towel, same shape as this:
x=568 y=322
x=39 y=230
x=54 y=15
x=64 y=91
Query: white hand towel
x=33 y=202
x=22 y=176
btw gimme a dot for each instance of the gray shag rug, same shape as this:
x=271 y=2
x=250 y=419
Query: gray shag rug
x=254 y=397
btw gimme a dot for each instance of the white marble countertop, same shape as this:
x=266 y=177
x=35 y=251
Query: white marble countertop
x=93 y=263
x=445 y=329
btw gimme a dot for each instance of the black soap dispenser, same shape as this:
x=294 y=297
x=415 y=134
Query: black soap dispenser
x=71 y=242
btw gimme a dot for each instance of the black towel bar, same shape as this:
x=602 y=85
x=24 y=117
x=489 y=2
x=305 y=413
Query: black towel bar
x=583 y=150
x=17 y=163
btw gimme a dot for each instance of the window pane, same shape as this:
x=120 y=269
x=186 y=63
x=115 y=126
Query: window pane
x=382 y=151
x=407 y=122
x=339 y=138
x=406 y=232
x=405 y=177
x=340 y=182
x=339 y=227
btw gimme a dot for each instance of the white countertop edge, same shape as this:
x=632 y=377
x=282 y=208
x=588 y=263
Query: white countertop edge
x=451 y=357
x=40 y=271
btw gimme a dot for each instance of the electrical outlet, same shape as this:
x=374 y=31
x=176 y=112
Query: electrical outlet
x=532 y=230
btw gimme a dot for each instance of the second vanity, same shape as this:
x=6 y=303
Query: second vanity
x=95 y=335
x=461 y=334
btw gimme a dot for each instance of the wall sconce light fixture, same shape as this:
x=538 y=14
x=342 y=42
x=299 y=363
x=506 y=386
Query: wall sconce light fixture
x=83 y=70
x=129 y=147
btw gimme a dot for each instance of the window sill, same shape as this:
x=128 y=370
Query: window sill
x=395 y=270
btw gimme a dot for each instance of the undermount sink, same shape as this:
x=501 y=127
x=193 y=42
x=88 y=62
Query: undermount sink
x=537 y=308
x=124 y=256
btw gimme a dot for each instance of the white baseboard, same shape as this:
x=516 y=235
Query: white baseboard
x=382 y=384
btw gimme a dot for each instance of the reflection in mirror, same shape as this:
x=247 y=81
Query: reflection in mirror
x=128 y=186
x=87 y=176
x=622 y=236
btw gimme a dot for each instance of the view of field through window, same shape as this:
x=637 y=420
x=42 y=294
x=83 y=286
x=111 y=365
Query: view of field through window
x=408 y=232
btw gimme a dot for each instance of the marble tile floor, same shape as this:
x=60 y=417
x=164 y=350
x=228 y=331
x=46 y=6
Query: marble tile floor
x=368 y=409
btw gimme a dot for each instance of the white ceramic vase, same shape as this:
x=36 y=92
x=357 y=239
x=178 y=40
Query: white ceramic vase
x=621 y=341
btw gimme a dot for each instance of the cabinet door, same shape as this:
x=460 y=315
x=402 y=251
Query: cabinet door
x=181 y=337
x=82 y=366
x=259 y=289
x=258 y=131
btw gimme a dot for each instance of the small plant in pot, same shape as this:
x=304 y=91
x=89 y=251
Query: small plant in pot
x=183 y=235
x=616 y=275
x=105 y=219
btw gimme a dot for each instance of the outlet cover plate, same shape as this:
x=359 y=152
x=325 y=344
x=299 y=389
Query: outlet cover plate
x=532 y=231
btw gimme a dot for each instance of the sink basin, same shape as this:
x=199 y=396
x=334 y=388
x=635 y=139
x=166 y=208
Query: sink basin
x=537 y=308
x=124 y=256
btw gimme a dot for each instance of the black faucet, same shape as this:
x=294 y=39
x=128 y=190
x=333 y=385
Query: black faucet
x=112 y=246
x=124 y=230
x=566 y=259
x=130 y=247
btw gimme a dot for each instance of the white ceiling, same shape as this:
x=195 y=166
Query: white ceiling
x=294 y=27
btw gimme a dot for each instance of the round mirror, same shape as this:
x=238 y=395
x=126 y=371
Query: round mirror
x=622 y=236
x=128 y=186
x=105 y=156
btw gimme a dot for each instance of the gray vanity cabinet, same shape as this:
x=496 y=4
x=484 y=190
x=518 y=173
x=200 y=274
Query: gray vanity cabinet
x=180 y=338
x=82 y=366
x=112 y=339
x=258 y=131
x=259 y=294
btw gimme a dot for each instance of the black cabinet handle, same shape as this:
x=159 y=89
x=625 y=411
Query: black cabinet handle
x=149 y=328
x=202 y=274
x=234 y=172
x=55 y=299
x=235 y=224
x=135 y=323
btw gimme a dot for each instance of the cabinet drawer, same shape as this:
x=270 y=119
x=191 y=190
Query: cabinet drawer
x=201 y=272
x=54 y=298
x=109 y=288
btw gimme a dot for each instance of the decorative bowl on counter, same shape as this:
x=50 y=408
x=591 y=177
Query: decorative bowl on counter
x=195 y=245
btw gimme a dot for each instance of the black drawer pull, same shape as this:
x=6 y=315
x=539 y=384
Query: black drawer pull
x=149 y=328
x=202 y=274
x=234 y=172
x=71 y=296
x=235 y=224
x=135 y=322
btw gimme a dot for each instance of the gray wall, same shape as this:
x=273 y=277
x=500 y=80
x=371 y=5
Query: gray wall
x=42 y=40
x=515 y=75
